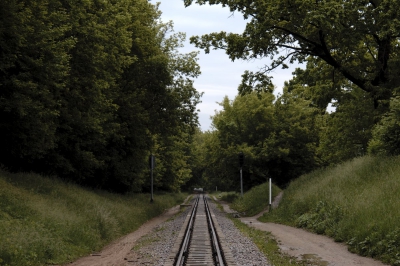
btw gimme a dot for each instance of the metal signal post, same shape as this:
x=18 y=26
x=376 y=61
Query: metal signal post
x=241 y=161
x=152 y=164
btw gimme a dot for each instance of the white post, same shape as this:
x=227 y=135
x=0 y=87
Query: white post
x=270 y=194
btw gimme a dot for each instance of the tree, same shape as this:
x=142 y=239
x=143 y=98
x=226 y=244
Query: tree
x=34 y=67
x=385 y=140
x=156 y=105
x=278 y=137
x=291 y=150
x=359 y=39
x=89 y=88
x=102 y=41
x=346 y=130
x=244 y=125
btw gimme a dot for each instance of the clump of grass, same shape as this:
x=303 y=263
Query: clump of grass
x=228 y=196
x=255 y=200
x=357 y=202
x=46 y=221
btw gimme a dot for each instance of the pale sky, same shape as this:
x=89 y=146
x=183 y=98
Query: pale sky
x=220 y=76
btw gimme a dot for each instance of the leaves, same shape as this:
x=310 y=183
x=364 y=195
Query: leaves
x=90 y=88
x=278 y=137
x=385 y=134
x=357 y=38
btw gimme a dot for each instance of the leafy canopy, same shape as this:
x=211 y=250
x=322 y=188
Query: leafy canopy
x=359 y=39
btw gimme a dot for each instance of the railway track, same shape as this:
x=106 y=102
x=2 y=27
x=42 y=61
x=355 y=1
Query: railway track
x=200 y=241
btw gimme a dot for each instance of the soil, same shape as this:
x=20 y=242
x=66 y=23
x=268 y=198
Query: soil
x=317 y=249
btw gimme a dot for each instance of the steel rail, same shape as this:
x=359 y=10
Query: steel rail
x=217 y=250
x=200 y=243
x=182 y=255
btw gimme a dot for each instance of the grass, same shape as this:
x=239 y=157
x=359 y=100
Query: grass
x=357 y=202
x=45 y=221
x=255 y=200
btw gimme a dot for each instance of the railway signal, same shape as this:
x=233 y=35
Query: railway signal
x=241 y=159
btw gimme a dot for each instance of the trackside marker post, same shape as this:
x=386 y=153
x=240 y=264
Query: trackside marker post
x=270 y=194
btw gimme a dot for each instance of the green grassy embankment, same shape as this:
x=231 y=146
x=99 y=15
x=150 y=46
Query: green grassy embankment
x=254 y=200
x=46 y=221
x=357 y=203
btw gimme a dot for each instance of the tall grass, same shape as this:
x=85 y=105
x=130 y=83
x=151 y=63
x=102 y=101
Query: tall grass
x=357 y=202
x=255 y=200
x=46 y=221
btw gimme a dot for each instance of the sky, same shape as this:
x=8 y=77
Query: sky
x=220 y=76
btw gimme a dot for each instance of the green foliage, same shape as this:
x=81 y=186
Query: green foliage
x=386 y=134
x=383 y=246
x=46 y=221
x=357 y=39
x=322 y=220
x=90 y=88
x=279 y=140
x=34 y=66
x=350 y=203
x=348 y=130
x=242 y=125
x=291 y=149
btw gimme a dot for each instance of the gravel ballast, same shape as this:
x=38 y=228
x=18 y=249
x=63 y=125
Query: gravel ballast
x=154 y=248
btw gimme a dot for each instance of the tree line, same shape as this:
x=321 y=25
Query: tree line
x=90 y=88
x=350 y=55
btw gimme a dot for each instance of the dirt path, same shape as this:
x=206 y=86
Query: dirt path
x=319 y=249
x=305 y=245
